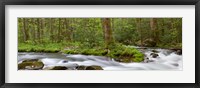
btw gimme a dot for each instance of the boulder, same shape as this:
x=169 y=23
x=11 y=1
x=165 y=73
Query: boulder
x=81 y=67
x=154 y=55
x=55 y=68
x=65 y=61
x=146 y=59
x=59 y=68
x=32 y=64
x=94 y=67
x=179 y=52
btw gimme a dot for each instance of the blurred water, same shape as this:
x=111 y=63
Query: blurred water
x=167 y=60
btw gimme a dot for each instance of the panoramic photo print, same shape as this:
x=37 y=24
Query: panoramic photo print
x=99 y=44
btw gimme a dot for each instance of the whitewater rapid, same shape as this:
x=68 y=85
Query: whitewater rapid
x=167 y=60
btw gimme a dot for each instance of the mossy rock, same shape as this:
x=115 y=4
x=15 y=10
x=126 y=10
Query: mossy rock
x=30 y=65
x=81 y=67
x=179 y=52
x=59 y=68
x=94 y=67
x=55 y=68
x=154 y=55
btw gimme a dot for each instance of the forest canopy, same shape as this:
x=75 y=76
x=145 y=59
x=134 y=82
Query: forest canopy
x=108 y=36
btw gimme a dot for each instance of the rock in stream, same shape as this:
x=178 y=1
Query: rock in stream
x=31 y=64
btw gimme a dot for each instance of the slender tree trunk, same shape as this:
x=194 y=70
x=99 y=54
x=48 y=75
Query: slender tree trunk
x=107 y=31
x=155 y=34
x=67 y=31
x=52 y=29
x=33 y=29
x=38 y=29
x=20 y=30
x=25 y=29
x=162 y=27
x=42 y=29
x=139 y=29
x=113 y=22
x=172 y=23
x=59 y=28
x=180 y=31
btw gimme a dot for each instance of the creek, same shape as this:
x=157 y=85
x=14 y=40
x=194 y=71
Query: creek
x=166 y=60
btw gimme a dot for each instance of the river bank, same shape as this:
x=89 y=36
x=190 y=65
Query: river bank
x=117 y=51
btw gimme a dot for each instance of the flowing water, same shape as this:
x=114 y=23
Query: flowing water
x=167 y=60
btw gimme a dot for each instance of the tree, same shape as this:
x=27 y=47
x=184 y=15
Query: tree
x=42 y=25
x=38 y=29
x=33 y=29
x=100 y=31
x=155 y=32
x=107 y=31
x=139 y=28
x=25 y=29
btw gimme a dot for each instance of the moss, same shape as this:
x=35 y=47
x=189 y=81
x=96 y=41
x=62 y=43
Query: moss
x=94 y=67
x=31 y=65
x=125 y=54
x=117 y=51
x=81 y=67
x=51 y=48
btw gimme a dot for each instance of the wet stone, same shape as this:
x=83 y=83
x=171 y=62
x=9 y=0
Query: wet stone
x=154 y=55
x=59 y=68
x=32 y=64
x=93 y=67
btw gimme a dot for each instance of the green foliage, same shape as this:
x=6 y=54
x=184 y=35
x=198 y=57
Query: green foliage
x=22 y=47
x=122 y=52
x=115 y=51
x=87 y=36
x=90 y=32
x=171 y=46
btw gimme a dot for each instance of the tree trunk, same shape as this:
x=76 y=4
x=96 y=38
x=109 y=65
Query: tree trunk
x=51 y=29
x=38 y=29
x=107 y=31
x=67 y=31
x=42 y=28
x=162 y=27
x=33 y=29
x=139 y=29
x=59 y=29
x=25 y=29
x=155 y=33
